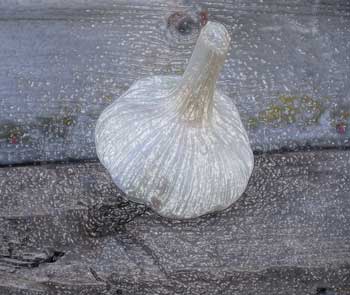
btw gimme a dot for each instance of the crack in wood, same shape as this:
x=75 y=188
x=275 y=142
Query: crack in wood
x=30 y=259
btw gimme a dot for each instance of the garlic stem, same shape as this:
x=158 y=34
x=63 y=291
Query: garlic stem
x=196 y=89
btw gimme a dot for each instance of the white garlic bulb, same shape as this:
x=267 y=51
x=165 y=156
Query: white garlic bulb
x=177 y=144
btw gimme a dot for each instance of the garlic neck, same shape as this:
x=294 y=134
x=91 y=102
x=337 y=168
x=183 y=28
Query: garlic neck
x=195 y=92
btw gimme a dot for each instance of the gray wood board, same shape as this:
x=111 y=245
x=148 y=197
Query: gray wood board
x=288 y=234
x=63 y=62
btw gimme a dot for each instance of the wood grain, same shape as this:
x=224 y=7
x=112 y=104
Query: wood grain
x=63 y=62
x=288 y=234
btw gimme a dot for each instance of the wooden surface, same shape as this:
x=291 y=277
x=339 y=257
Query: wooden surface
x=65 y=229
x=288 y=234
x=63 y=62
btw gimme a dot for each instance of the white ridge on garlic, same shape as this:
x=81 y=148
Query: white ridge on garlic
x=177 y=144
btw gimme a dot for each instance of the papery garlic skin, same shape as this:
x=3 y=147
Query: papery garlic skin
x=177 y=144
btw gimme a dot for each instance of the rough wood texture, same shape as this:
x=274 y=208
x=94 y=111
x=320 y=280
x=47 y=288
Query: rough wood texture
x=288 y=234
x=63 y=62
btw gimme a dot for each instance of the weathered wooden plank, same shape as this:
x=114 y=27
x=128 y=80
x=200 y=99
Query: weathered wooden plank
x=52 y=8
x=62 y=62
x=288 y=234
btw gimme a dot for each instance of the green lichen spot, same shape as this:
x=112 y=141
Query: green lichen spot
x=68 y=121
x=345 y=114
x=287 y=99
x=8 y=130
x=253 y=122
x=55 y=126
x=108 y=97
x=271 y=114
x=13 y=133
x=179 y=72
x=341 y=114
x=289 y=109
x=312 y=109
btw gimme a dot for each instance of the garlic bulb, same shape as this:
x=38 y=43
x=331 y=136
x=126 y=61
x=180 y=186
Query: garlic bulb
x=177 y=144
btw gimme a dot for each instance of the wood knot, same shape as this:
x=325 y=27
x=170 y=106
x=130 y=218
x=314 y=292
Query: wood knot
x=185 y=26
x=182 y=22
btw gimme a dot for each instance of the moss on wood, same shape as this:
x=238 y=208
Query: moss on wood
x=290 y=109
